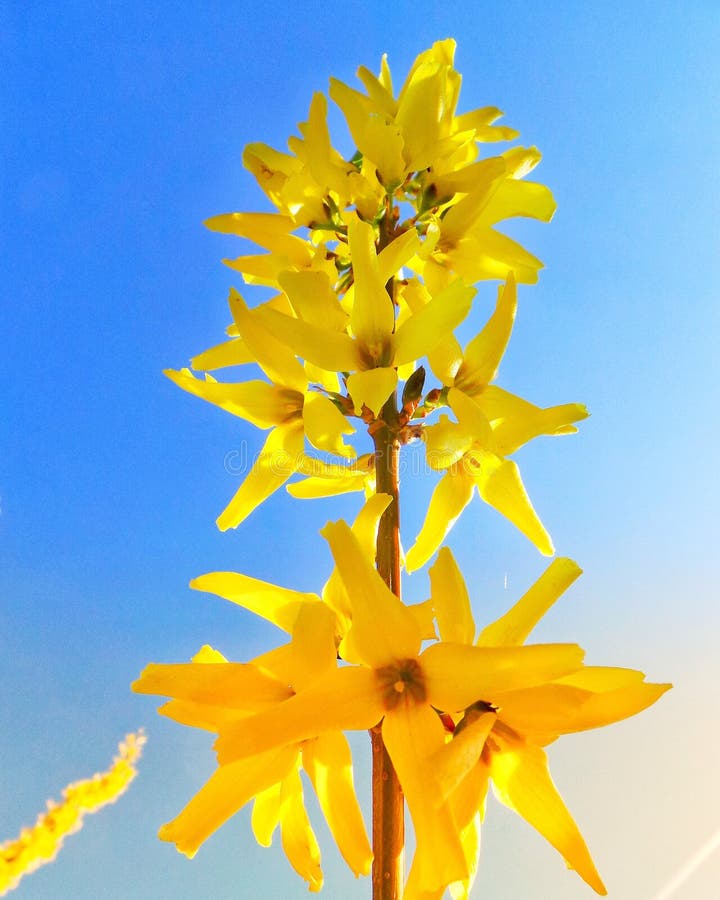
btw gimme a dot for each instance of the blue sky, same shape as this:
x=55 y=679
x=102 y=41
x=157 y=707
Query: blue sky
x=123 y=127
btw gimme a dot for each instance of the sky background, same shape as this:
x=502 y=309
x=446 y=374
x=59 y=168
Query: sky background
x=122 y=129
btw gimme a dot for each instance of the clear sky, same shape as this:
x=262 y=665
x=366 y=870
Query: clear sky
x=122 y=129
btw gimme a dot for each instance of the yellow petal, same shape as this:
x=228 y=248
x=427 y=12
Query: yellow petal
x=227 y=791
x=325 y=425
x=327 y=380
x=298 y=839
x=472 y=179
x=546 y=709
x=508 y=255
x=270 y=167
x=470 y=798
x=413 y=734
x=383 y=630
x=376 y=136
x=348 y=698
x=313 y=487
x=613 y=706
x=470 y=837
x=365 y=529
x=380 y=92
x=274 y=465
x=452 y=494
x=455 y=760
x=413 y=295
x=208 y=654
x=510 y=434
x=373 y=315
x=424 y=330
x=457 y=675
x=424 y=616
x=398 y=253
x=516 y=624
x=445 y=359
x=602 y=678
x=485 y=254
x=437 y=270
x=520 y=161
x=366 y=523
x=266 y=814
x=262 y=268
x=461 y=217
x=371 y=388
x=483 y=354
x=522 y=782
x=235 y=685
x=476 y=118
x=274 y=358
x=442 y=52
x=499 y=484
x=269 y=230
x=324 y=163
x=519 y=198
x=450 y=600
x=414 y=889
x=328 y=762
x=470 y=416
x=383 y=143
x=278 y=605
x=312 y=465
x=491 y=133
x=229 y=353
x=365 y=190
x=262 y=404
x=313 y=299
x=203 y=715
x=425 y=108
x=516 y=421
x=325 y=347
x=446 y=443
x=313 y=645
x=278 y=662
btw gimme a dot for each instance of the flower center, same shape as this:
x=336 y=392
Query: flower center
x=292 y=403
x=401 y=680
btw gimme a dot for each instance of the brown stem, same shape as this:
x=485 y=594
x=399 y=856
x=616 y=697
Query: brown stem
x=388 y=802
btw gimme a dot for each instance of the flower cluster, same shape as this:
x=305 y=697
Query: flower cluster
x=371 y=262
x=40 y=844
x=390 y=243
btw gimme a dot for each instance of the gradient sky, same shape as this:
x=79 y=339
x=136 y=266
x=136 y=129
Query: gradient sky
x=122 y=129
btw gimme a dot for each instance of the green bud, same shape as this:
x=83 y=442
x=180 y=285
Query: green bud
x=413 y=388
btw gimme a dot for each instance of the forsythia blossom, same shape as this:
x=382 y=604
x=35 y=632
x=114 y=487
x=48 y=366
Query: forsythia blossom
x=40 y=843
x=372 y=263
x=331 y=343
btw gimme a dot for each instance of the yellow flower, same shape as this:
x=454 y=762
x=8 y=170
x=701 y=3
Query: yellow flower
x=287 y=405
x=375 y=347
x=312 y=181
x=425 y=152
x=491 y=425
x=461 y=238
x=419 y=130
x=212 y=693
x=500 y=737
x=390 y=678
x=40 y=844
x=272 y=231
